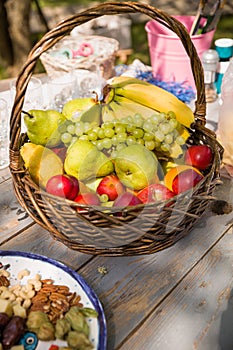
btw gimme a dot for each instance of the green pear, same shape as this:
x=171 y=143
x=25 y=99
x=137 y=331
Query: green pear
x=42 y=163
x=42 y=126
x=136 y=166
x=85 y=161
x=73 y=109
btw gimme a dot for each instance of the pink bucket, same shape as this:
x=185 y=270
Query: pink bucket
x=169 y=59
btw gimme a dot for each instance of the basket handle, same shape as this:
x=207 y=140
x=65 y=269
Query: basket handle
x=65 y=27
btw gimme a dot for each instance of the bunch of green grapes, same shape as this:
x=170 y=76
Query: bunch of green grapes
x=157 y=133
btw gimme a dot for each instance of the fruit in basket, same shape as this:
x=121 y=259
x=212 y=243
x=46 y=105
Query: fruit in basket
x=74 y=109
x=136 y=166
x=182 y=178
x=84 y=161
x=63 y=186
x=154 y=193
x=199 y=156
x=42 y=163
x=126 y=199
x=111 y=186
x=148 y=95
x=89 y=198
x=42 y=126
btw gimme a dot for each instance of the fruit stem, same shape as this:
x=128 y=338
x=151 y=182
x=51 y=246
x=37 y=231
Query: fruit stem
x=30 y=115
x=108 y=94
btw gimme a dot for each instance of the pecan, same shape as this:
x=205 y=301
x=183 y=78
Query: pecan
x=4 y=281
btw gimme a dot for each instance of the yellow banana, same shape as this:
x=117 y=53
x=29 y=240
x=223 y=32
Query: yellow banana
x=153 y=97
x=124 y=105
x=124 y=80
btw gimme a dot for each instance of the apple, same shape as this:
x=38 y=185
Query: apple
x=63 y=186
x=111 y=186
x=154 y=193
x=199 y=156
x=89 y=198
x=126 y=199
x=185 y=180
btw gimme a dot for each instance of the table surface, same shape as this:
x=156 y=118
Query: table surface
x=179 y=298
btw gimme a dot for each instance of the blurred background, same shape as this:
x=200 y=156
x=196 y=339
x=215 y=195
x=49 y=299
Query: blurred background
x=23 y=23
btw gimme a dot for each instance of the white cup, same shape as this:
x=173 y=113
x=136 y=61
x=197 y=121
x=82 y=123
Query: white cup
x=4 y=134
x=34 y=95
x=61 y=90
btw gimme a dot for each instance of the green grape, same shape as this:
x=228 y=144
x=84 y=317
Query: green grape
x=101 y=134
x=147 y=126
x=108 y=132
x=159 y=136
x=114 y=154
x=138 y=133
x=168 y=139
x=107 y=124
x=150 y=145
x=165 y=128
x=120 y=146
x=131 y=140
x=103 y=198
x=173 y=123
x=74 y=139
x=87 y=127
x=171 y=115
x=155 y=119
x=71 y=129
x=79 y=128
x=130 y=127
x=120 y=128
x=138 y=119
x=180 y=140
x=121 y=137
x=141 y=142
x=66 y=137
x=92 y=136
x=148 y=136
x=107 y=143
x=96 y=129
x=99 y=145
x=114 y=140
x=165 y=147
x=62 y=128
x=83 y=137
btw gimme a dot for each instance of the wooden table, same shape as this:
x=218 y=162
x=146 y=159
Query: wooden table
x=179 y=298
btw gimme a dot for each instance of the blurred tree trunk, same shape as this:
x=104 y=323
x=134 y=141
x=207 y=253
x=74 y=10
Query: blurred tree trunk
x=15 y=42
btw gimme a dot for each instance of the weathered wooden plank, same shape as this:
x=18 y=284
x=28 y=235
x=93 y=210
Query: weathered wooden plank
x=4 y=175
x=135 y=286
x=198 y=314
x=13 y=218
x=37 y=240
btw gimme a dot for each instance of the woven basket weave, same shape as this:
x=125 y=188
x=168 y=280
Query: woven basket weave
x=94 y=230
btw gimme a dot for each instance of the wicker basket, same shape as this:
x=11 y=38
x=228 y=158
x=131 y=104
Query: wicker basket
x=94 y=230
x=103 y=54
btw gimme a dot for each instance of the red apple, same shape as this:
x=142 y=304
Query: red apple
x=199 y=156
x=154 y=193
x=89 y=198
x=65 y=186
x=111 y=186
x=186 y=180
x=126 y=199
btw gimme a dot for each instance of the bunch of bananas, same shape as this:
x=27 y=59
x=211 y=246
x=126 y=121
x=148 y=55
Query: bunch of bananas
x=126 y=94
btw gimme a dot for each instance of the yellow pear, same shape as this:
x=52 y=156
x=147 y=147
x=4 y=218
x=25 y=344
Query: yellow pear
x=41 y=162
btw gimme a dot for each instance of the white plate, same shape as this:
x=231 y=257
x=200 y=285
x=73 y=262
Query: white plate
x=60 y=274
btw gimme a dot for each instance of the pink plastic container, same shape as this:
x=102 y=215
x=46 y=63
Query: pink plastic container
x=169 y=59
